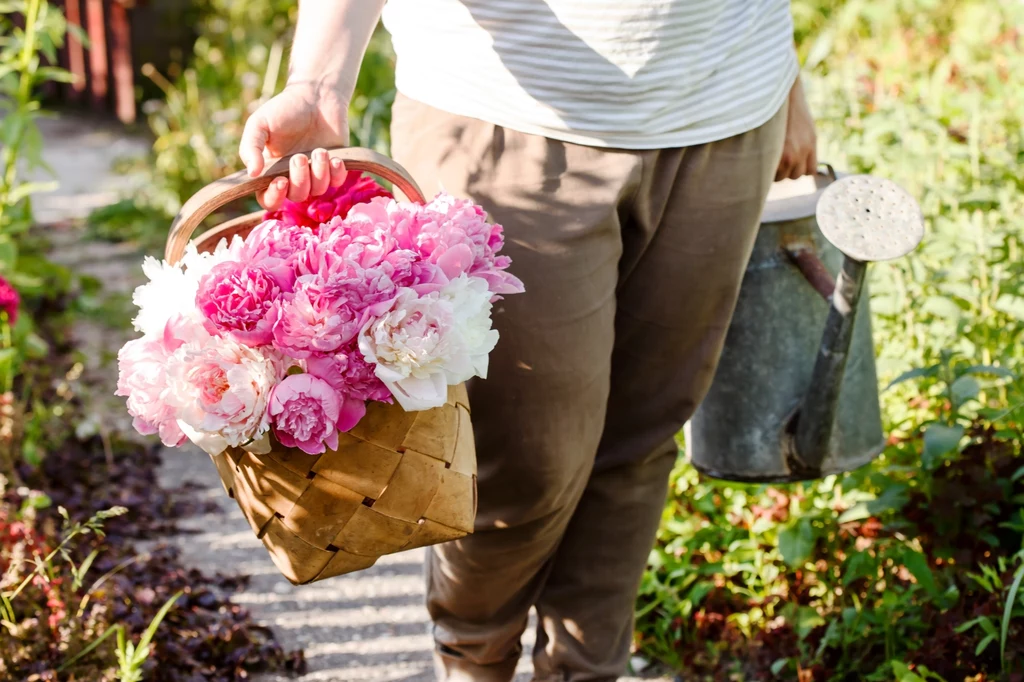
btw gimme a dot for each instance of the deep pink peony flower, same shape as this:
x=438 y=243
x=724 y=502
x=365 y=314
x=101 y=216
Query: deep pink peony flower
x=10 y=301
x=317 y=318
x=305 y=412
x=349 y=373
x=336 y=201
x=237 y=299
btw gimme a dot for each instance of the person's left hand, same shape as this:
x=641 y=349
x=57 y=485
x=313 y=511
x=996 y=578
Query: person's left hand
x=799 y=152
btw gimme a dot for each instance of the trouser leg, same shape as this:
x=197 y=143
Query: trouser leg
x=687 y=240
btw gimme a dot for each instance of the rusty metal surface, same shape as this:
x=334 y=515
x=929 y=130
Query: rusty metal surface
x=813 y=270
x=869 y=218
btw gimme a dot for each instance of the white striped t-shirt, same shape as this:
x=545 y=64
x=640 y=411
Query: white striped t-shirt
x=635 y=74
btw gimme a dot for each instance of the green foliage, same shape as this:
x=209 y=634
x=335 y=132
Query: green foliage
x=32 y=576
x=27 y=403
x=239 y=61
x=903 y=569
x=131 y=656
x=21 y=74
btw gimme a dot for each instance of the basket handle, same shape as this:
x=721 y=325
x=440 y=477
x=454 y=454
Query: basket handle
x=222 y=192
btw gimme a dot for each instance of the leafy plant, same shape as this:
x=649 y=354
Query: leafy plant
x=865 y=575
x=22 y=72
x=130 y=656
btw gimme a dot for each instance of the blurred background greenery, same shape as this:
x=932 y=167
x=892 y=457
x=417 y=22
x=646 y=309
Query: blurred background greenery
x=907 y=569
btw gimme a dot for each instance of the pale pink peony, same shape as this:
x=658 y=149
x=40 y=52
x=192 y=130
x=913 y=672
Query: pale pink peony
x=317 y=318
x=307 y=413
x=142 y=378
x=336 y=201
x=220 y=389
x=238 y=298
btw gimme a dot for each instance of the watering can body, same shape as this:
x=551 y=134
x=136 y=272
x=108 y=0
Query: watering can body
x=746 y=427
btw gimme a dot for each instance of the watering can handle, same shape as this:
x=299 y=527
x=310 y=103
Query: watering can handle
x=221 y=192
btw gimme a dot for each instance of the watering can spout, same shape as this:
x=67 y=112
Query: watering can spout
x=867 y=219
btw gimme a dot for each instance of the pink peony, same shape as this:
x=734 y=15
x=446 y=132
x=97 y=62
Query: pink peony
x=307 y=413
x=350 y=374
x=142 y=378
x=10 y=301
x=317 y=318
x=450 y=233
x=272 y=242
x=336 y=201
x=220 y=389
x=237 y=298
x=460 y=225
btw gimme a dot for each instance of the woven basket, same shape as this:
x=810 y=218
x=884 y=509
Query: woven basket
x=398 y=480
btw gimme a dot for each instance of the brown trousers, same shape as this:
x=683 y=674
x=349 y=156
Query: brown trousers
x=632 y=261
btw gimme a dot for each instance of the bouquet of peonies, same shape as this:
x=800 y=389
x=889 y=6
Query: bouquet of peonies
x=348 y=298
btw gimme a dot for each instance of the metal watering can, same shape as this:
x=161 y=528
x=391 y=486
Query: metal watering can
x=795 y=396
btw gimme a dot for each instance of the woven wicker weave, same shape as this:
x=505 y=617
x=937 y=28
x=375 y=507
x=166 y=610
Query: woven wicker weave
x=398 y=480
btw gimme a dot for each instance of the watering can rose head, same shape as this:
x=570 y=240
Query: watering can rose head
x=292 y=330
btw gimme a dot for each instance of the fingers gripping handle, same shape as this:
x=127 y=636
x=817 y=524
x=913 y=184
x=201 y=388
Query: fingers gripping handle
x=237 y=185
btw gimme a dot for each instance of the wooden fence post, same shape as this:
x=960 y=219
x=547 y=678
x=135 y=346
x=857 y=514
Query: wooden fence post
x=97 y=53
x=75 y=51
x=121 y=56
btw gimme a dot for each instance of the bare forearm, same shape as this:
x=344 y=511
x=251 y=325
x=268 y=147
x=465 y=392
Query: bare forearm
x=330 y=39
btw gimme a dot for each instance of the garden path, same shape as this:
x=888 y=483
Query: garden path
x=368 y=626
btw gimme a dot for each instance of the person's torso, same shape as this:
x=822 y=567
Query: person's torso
x=616 y=73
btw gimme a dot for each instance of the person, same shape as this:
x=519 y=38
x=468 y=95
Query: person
x=627 y=147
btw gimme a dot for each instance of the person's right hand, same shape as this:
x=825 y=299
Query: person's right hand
x=302 y=117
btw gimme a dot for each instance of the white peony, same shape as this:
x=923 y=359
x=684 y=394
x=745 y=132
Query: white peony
x=172 y=289
x=421 y=345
